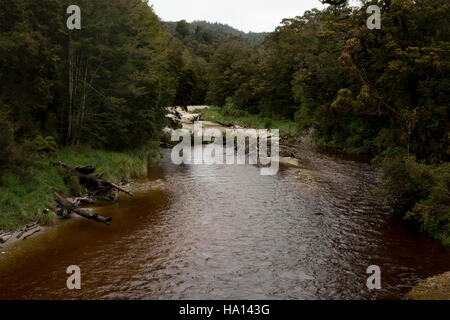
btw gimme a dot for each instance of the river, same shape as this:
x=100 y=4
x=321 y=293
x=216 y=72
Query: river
x=227 y=232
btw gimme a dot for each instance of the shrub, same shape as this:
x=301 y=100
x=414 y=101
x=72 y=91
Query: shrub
x=6 y=141
x=423 y=191
x=230 y=109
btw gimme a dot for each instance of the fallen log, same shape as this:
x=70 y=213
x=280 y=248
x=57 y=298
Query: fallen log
x=225 y=124
x=70 y=207
x=26 y=229
x=31 y=234
x=80 y=202
x=5 y=237
x=95 y=181
x=102 y=183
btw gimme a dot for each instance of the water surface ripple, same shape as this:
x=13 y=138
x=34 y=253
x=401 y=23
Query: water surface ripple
x=226 y=232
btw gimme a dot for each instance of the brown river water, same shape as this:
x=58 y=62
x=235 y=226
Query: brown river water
x=226 y=232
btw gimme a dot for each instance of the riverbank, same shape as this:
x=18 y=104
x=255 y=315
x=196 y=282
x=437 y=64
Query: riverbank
x=286 y=127
x=25 y=197
x=290 y=144
x=434 y=288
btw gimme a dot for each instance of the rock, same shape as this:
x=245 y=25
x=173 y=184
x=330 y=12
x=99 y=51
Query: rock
x=290 y=162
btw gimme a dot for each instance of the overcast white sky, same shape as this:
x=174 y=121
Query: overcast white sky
x=245 y=15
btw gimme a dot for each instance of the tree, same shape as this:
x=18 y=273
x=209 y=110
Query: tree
x=183 y=29
x=118 y=75
x=229 y=70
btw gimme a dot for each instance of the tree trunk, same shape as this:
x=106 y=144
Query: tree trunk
x=71 y=82
x=69 y=206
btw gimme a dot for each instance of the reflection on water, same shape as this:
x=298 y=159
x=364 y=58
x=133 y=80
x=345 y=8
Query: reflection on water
x=226 y=232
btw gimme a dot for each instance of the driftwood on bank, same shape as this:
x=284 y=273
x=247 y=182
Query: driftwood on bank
x=4 y=237
x=225 y=124
x=71 y=207
x=31 y=234
x=96 y=182
x=79 y=202
x=26 y=229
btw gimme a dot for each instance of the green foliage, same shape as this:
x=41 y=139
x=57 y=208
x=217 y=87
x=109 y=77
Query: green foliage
x=182 y=29
x=105 y=85
x=30 y=33
x=255 y=121
x=423 y=191
x=47 y=219
x=6 y=141
x=192 y=50
x=230 y=109
x=23 y=198
x=47 y=144
x=361 y=91
x=120 y=80
x=230 y=69
x=204 y=37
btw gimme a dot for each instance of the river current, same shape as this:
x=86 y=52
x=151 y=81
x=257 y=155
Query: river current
x=227 y=232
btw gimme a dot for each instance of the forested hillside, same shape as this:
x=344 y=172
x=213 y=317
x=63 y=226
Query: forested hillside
x=193 y=46
x=209 y=30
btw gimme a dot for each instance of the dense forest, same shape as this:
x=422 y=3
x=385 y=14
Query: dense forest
x=382 y=93
x=208 y=32
x=105 y=84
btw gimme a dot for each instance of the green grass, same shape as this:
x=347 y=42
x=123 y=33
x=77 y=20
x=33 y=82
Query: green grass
x=254 y=121
x=24 y=197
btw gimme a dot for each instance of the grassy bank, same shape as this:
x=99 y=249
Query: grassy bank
x=23 y=197
x=246 y=120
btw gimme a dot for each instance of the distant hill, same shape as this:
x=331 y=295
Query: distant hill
x=220 y=30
